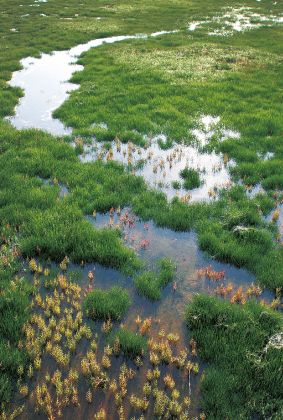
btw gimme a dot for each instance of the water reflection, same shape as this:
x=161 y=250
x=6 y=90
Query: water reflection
x=161 y=168
x=168 y=314
x=46 y=87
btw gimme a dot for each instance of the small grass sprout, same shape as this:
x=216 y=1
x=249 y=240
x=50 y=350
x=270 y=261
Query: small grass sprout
x=146 y=389
x=89 y=396
x=275 y=215
x=24 y=390
x=145 y=328
x=107 y=326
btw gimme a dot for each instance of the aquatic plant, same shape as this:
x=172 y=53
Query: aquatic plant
x=191 y=177
x=104 y=304
x=130 y=343
x=149 y=284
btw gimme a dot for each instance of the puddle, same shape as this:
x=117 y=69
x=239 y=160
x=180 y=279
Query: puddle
x=163 y=32
x=267 y=156
x=160 y=168
x=193 y=26
x=237 y=20
x=168 y=314
x=181 y=247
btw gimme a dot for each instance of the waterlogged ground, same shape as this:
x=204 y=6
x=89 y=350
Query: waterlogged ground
x=167 y=315
x=211 y=138
x=46 y=87
x=160 y=168
x=239 y=19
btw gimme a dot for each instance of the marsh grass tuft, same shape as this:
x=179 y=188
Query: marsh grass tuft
x=131 y=344
x=240 y=341
x=150 y=284
x=103 y=305
x=191 y=177
x=15 y=311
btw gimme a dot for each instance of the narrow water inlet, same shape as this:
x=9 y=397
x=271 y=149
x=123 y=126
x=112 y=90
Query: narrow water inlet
x=46 y=87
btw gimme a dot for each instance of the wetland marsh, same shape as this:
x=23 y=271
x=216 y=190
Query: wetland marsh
x=140 y=210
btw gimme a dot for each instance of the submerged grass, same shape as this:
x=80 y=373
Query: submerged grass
x=244 y=343
x=103 y=305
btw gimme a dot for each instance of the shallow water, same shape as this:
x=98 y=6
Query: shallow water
x=161 y=167
x=168 y=314
x=46 y=87
x=182 y=247
x=239 y=20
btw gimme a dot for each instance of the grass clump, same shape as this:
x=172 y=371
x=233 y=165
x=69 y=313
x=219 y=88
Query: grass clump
x=270 y=271
x=165 y=145
x=150 y=284
x=103 y=305
x=14 y=313
x=245 y=345
x=191 y=177
x=130 y=343
x=176 y=185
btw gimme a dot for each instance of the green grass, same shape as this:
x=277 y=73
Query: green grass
x=150 y=283
x=176 y=185
x=270 y=271
x=158 y=85
x=103 y=305
x=131 y=344
x=191 y=177
x=51 y=228
x=14 y=313
x=243 y=378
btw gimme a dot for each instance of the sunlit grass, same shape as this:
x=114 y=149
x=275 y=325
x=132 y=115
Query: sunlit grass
x=150 y=283
x=237 y=339
x=112 y=304
x=130 y=343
